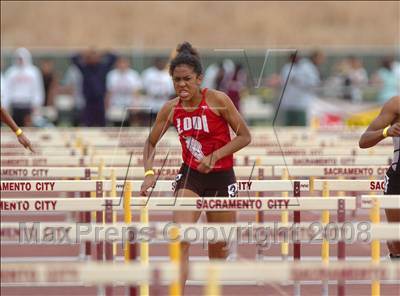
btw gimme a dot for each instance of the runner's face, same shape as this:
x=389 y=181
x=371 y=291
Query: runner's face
x=186 y=82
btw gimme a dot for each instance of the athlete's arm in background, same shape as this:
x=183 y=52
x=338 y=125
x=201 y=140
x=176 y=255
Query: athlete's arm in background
x=243 y=137
x=161 y=125
x=374 y=133
x=7 y=119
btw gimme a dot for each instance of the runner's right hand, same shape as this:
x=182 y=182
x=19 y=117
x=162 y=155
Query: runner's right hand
x=24 y=141
x=148 y=182
x=394 y=130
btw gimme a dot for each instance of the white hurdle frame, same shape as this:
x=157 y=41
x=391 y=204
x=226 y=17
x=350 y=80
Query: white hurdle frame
x=135 y=273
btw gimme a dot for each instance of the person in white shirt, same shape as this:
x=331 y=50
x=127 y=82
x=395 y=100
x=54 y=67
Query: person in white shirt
x=24 y=85
x=123 y=87
x=358 y=78
x=157 y=85
x=2 y=88
x=396 y=70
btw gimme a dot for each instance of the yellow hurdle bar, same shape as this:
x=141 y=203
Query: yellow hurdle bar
x=144 y=250
x=93 y=214
x=212 y=288
x=375 y=246
x=325 y=221
x=127 y=215
x=175 y=257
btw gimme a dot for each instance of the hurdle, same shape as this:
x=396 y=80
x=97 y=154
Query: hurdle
x=123 y=160
x=356 y=185
x=130 y=249
x=301 y=134
x=342 y=189
x=135 y=273
x=120 y=172
x=183 y=204
x=385 y=201
x=375 y=203
x=10 y=172
x=101 y=140
x=331 y=171
x=350 y=185
x=176 y=204
x=163 y=185
x=176 y=150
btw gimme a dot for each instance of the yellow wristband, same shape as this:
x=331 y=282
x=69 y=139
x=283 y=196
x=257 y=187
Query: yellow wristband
x=18 y=132
x=385 y=130
x=149 y=172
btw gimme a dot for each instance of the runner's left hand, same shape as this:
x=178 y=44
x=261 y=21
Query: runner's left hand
x=207 y=163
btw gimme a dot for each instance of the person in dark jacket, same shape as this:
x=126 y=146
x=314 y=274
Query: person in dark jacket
x=94 y=67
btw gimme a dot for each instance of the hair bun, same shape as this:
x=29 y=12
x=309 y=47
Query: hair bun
x=187 y=48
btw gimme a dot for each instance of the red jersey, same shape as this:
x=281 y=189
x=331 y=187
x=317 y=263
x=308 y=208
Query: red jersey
x=201 y=132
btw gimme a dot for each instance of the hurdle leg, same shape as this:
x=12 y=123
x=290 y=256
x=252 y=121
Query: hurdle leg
x=85 y=218
x=341 y=255
x=285 y=220
x=175 y=257
x=259 y=219
x=109 y=215
x=325 y=242
x=156 y=283
x=144 y=250
x=129 y=245
x=113 y=193
x=108 y=248
x=99 y=219
x=259 y=214
x=296 y=244
x=212 y=288
x=99 y=245
x=375 y=246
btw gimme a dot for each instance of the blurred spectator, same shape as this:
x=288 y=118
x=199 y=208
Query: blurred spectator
x=157 y=85
x=235 y=83
x=73 y=81
x=396 y=70
x=289 y=81
x=396 y=67
x=335 y=85
x=355 y=78
x=94 y=67
x=2 y=88
x=123 y=87
x=210 y=76
x=387 y=80
x=25 y=92
x=302 y=84
x=50 y=81
x=226 y=69
x=2 y=85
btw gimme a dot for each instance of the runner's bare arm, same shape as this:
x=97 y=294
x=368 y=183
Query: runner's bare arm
x=388 y=115
x=7 y=119
x=161 y=125
x=229 y=112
